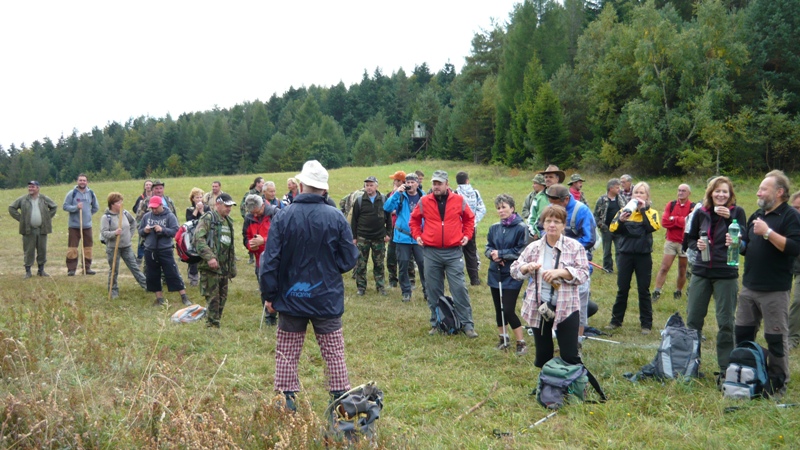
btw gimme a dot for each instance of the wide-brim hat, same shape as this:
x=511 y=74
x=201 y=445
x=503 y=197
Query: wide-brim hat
x=554 y=169
x=314 y=175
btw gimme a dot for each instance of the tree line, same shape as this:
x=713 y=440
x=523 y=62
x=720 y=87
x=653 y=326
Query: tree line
x=675 y=87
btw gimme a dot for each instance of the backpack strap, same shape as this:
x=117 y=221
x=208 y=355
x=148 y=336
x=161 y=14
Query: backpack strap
x=672 y=206
x=596 y=386
x=573 y=219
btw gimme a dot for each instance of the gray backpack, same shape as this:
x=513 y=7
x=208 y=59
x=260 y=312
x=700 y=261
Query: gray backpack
x=678 y=355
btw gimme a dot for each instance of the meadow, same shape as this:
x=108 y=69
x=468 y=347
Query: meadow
x=80 y=371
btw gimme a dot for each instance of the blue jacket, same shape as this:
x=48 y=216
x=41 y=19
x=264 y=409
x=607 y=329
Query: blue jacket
x=509 y=241
x=402 y=232
x=310 y=246
x=169 y=226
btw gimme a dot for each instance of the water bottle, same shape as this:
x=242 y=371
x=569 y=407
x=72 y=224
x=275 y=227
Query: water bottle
x=705 y=255
x=631 y=207
x=733 y=250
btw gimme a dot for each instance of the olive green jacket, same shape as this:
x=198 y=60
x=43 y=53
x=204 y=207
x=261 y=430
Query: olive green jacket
x=21 y=208
x=208 y=242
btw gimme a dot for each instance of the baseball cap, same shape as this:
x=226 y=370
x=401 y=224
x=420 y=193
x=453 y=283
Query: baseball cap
x=373 y=179
x=439 y=175
x=155 y=202
x=399 y=175
x=225 y=199
x=33 y=182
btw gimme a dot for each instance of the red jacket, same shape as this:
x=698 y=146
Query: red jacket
x=458 y=223
x=257 y=226
x=676 y=224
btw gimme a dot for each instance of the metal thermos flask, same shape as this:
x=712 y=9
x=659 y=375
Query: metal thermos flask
x=705 y=255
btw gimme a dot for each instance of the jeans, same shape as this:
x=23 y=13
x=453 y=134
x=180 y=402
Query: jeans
x=404 y=254
x=127 y=255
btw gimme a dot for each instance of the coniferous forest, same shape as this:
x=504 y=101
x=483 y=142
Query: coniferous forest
x=679 y=87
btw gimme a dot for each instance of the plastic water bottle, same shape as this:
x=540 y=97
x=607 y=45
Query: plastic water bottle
x=733 y=249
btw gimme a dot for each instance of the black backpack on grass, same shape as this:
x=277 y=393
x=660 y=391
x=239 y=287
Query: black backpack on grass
x=678 y=355
x=446 y=319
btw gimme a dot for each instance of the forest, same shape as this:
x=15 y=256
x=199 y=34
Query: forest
x=651 y=87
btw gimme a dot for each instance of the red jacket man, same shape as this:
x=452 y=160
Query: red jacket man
x=674 y=220
x=442 y=223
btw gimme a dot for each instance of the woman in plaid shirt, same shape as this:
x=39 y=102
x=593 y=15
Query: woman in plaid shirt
x=556 y=265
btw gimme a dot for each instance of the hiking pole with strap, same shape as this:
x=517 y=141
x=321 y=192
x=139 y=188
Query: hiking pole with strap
x=116 y=249
x=263 y=317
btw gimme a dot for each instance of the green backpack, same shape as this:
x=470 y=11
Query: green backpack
x=560 y=382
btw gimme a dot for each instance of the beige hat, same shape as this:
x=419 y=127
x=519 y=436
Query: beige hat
x=314 y=175
x=554 y=169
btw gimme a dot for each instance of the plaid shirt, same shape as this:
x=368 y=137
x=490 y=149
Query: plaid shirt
x=573 y=258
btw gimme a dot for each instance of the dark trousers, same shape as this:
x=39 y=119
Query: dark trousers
x=567 y=336
x=158 y=261
x=627 y=265
x=609 y=238
x=471 y=260
x=509 y=313
x=392 y=263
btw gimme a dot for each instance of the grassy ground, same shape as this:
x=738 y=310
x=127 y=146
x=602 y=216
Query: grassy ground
x=79 y=371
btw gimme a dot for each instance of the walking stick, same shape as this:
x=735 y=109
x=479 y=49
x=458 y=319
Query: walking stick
x=505 y=335
x=114 y=260
x=80 y=224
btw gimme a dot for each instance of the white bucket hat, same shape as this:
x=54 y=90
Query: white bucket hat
x=314 y=175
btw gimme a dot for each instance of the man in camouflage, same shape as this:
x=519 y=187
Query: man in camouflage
x=213 y=240
x=372 y=228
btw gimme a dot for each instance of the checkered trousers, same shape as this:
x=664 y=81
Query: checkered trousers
x=287 y=355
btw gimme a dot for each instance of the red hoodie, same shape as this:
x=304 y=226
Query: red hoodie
x=458 y=223
x=674 y=219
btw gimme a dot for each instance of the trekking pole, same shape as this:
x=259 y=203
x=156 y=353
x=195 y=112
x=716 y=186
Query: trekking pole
x=598 y=266
x=114 y=260
x=80 y=225
x=502 y=309
x=543 y=419
x=603 y=340
x=263 y=317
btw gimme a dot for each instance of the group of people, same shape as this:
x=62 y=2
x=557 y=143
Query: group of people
x=301 y=252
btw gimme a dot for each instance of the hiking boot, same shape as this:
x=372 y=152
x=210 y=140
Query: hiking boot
x=612 y=326
x=432 y=331
x=28 y=272
x=503 y=344
x=159 y=301
x=70 y=273
x=252 y=259
x=114 y=295
x=382 y=292
x=291 y=400
x=720 y=379
x=210 y=324
x=522 y=348
x=677 y=295
x=406 y=298
x=185 y=300
x=360 y=293
x=90 y=272
x=471 y=333
x=656 y=295
x=41 y=271
x=645 y=331
x=270 y=320
x=393 y=284
x=475 y=283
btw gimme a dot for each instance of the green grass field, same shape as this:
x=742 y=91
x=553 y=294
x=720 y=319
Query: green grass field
x=79 y=371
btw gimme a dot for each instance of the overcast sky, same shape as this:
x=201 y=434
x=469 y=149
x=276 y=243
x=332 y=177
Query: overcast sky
x=79 y=64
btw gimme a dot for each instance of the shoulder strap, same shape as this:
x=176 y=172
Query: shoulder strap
x=573 y=219
x=596 y=385
x=672 y=206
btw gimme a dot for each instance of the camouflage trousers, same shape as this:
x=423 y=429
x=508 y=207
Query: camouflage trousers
x=378 y=248
x=391 y=264
x=214 y=288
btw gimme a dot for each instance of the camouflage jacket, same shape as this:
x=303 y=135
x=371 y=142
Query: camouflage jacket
x=213 y=239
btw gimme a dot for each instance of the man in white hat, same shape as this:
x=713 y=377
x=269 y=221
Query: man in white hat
x=310 y=246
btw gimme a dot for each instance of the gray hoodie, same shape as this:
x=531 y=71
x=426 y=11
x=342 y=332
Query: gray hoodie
x=90 y=207
x=108 y=226
x=474 y=200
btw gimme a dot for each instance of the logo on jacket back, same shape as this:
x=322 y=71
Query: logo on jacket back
x=301 y=289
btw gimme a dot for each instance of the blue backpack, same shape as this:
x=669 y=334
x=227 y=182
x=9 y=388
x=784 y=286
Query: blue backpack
x=746 y=376
x=446 y=319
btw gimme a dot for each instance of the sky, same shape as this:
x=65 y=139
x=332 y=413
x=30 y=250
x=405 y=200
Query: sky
x=80 y=64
